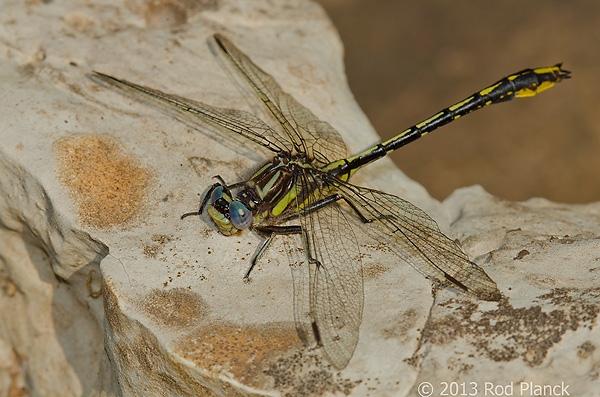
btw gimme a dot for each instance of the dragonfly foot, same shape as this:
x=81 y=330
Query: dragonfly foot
x=190 y=214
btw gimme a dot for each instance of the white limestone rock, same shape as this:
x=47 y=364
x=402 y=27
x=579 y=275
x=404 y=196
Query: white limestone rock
x=93 y=184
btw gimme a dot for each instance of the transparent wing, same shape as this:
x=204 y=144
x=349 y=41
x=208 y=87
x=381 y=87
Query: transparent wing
x=335 y=273
x=300 y=275
x=237 y=121
x=318 y=139
x=416 y=238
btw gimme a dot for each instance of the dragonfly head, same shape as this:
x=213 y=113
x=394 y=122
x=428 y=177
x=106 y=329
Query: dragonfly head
x=229 y=214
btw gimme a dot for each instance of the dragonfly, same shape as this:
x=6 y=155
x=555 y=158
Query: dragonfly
x=305 y=191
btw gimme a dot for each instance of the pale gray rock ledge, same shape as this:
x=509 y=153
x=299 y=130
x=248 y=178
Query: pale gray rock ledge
x=105 y=291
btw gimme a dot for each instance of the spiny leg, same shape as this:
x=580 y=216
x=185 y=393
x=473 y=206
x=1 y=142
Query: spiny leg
x=334 y=199
x=269 y=232
x=364 y=219
x=203 y=203
x=208 y=194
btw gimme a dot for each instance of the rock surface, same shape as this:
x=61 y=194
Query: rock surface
x=105 y=291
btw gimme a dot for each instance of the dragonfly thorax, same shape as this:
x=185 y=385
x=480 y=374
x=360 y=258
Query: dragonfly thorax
x=267 y=195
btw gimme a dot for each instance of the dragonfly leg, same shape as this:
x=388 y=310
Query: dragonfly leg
x=269 y=232
x=313 y=207
x=224 y=184
x=364 y=219
x=208 y=194
x=317 y=334
x=204 y=201
x=335 y=198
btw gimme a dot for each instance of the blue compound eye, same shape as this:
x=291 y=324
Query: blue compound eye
x=240 y=216
x=217 y=193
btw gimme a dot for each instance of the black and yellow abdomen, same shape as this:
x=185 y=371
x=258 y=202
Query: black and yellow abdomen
x=525 y=83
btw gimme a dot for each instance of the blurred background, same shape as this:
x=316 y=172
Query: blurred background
x=407 y=60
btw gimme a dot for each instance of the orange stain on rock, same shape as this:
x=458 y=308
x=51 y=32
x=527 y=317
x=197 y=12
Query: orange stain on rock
x=107 y=185
x=243 y=352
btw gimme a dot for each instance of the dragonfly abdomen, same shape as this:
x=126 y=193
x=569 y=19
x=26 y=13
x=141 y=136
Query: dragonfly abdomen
x=525 y=83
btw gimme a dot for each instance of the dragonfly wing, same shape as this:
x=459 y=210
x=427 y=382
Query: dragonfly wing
x=335 y=275
x=237 y=121
x=416 y=238
x=323 y=141
x=318 y=139
x=301 y=277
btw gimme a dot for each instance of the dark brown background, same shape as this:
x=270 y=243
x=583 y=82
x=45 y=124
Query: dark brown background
x=407 y=60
